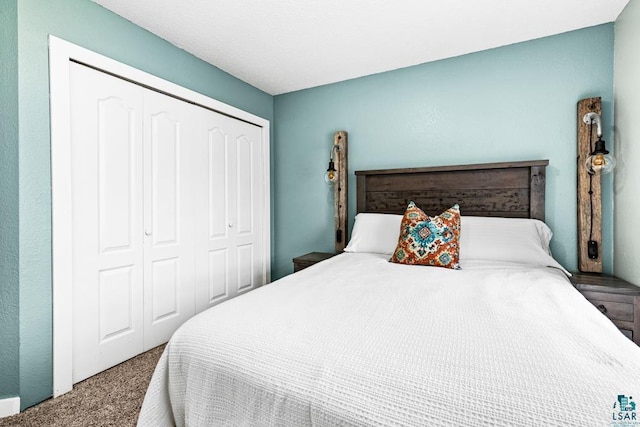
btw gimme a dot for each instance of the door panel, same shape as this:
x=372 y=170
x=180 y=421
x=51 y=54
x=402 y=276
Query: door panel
x=166 y=144
x=218 y=183
x=106 y=147
x=115 y=165
x=115 y=305
x=245 y=268
x=216 y=187
x=218 y=276
x=250 y=206
x=231 y=170
x=166 y=286
x=169 y=221
x=244 y=168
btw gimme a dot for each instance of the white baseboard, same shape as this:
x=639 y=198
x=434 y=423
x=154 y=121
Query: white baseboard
x=9 y=406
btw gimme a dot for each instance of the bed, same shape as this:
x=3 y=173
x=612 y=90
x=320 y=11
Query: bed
x=358 y=341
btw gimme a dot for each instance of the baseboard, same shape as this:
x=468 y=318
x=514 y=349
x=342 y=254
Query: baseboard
x=9 y=406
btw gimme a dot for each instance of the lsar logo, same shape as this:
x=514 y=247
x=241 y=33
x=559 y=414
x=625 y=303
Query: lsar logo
x=624 y=411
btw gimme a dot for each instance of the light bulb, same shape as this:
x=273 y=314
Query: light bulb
x=331 y=176
x=600 y=163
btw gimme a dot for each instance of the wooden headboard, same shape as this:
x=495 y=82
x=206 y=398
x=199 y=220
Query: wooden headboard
x=512 y=189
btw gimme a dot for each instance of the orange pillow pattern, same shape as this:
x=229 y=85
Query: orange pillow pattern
x=428 y=240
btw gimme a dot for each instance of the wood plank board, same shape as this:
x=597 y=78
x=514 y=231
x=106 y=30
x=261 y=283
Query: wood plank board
x=341 y=193
x=584 y=204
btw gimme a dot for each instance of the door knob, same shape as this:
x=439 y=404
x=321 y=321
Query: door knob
x=147 y=232
x=230 y=224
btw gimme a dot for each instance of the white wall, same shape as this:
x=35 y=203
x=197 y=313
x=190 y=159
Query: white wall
x=627 y=144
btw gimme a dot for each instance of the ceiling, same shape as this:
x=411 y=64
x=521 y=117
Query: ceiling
x=281 y=46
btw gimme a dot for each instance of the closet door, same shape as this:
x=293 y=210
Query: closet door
x=107 y=210
x=229 y=209
x=168 y=209
x=169 y=141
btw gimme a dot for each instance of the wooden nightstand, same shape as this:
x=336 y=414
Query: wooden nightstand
x=615 y=298
x=307 y=260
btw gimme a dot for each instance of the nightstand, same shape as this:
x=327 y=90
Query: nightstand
x=307 y=260
x=615 y=298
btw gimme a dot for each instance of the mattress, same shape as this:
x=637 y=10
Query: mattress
x=359 y=341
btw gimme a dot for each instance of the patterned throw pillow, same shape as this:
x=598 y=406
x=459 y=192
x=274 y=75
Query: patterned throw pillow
x=428 y=240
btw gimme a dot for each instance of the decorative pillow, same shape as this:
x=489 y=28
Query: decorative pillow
x=428 y=240
x=374 y=233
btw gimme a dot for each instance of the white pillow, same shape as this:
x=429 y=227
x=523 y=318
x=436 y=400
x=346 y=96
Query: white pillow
x=375 y=233
x=519 y=240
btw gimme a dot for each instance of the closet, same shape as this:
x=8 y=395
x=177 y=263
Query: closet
x=168 y=215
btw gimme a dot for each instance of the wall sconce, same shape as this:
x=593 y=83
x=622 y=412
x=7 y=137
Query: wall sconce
x=331 y=177
x=336 y=175
x=599 y=160
x=592 y=162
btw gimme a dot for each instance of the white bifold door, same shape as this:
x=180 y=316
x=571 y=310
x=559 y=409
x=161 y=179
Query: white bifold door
x=168 y=213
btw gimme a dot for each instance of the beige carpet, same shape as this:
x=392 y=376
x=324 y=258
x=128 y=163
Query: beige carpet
x=111 y=398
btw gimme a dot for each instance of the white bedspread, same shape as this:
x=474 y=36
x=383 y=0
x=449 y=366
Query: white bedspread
x=359 y=341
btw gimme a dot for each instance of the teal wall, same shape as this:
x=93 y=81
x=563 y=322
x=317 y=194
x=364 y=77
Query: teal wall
x=511 y=103
x=9 y=289
x=89 y=25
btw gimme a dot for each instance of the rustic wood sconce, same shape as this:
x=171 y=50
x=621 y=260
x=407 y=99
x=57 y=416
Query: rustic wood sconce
x=593 y=160
x=337 y=176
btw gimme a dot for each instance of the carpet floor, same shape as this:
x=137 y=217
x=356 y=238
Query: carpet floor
x=110 y=398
